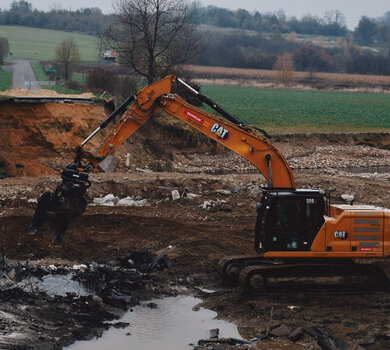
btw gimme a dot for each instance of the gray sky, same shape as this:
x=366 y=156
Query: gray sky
x=352 y=9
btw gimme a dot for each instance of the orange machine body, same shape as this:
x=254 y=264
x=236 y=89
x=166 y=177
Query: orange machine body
x=353 y=231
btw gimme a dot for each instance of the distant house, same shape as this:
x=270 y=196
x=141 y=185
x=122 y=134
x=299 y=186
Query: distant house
x=109 y=56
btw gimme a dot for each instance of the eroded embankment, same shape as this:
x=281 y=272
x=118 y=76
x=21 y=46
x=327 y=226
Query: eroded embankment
x=39 y=138
x=35 y=137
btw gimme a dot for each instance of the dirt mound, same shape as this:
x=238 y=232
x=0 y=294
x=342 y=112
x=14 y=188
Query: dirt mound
x=43 y=93
x=39 y=138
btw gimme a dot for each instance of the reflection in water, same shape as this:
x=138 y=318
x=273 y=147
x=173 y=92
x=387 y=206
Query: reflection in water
x=59 y=285
x=172 y=325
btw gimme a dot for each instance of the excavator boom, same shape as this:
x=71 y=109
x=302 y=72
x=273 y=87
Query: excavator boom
x=247 y=141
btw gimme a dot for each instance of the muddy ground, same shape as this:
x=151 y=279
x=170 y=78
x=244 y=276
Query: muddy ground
x=194 y=240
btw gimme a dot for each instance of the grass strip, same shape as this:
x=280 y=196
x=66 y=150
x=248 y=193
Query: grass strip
x=40 y=74
x=5 y=79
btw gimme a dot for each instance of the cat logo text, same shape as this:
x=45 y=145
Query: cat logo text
x=222 y=133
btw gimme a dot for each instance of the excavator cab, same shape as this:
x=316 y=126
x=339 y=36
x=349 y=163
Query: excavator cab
x=288 y=219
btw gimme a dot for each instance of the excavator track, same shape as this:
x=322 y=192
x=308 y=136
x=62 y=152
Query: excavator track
x=315 y=277
x=231 y=266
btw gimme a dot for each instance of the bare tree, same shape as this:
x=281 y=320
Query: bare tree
x=284 y=67
x=153 y=37
x=67 y=58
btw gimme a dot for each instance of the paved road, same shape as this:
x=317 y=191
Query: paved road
x=22 y=72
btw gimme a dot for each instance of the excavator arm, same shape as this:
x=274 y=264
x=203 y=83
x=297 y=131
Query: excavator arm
x=247 y=141
x=58 y=208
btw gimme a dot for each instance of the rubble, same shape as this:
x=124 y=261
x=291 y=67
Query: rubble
x=130 y=201
x=109 y=200
x=215 y=205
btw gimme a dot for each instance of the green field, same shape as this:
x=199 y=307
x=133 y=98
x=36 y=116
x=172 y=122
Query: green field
x=5 y=79
x=40 y=44
x=40 y=74
x=280 y=111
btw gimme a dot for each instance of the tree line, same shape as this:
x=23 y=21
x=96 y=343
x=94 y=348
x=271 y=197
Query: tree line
x=92 y=20
x=333 y=22
x=258 y=49
x=237 y=49
x=87 y=20
x=374 y=31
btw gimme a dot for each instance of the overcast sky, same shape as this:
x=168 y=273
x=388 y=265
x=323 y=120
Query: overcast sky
x=352 y=9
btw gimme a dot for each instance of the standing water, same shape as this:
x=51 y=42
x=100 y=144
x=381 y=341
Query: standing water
x=173 y=324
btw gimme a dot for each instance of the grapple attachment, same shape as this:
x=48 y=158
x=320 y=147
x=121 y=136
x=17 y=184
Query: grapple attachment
x=56 y=209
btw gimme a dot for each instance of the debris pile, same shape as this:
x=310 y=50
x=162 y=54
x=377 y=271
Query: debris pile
x=130 y=201
x=46 y=316
x=216 y=205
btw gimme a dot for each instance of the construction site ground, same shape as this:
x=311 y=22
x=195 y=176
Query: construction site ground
x=194 y=234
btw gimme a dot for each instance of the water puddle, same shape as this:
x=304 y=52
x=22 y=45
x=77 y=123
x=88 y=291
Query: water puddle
x=170 y=324
x=59 y=285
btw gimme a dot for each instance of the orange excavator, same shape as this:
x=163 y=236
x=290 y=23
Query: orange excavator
x=298 y=232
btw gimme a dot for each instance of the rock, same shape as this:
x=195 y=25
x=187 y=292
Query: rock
x=348 y=197
x=143 y=170
x=224 y=192
x=11 y=274
x=367 y=341
x=130 y=202
x=239 y=341
x=326 y=341
x=5 y=281
x=280 y=331
x=205 y=205
x=214 y=333
x=296 y=334
x=227 y=207
x=96 y=299
x=235 y=188
x=175 y=195
x=152 y=305
x=122 y=325
x=109 y=200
